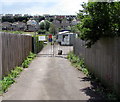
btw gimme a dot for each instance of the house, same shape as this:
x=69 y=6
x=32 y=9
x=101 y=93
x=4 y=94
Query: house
x=63 y=24
x=9 y=15
x=56 y=23
x=74 y=22
x=19 y=26
x=18 y=15
x=32 y=25
x=0 y=26
x=6 y=26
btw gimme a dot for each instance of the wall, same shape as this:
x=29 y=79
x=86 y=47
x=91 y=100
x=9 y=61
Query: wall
x=103 y=59
x=15 y=48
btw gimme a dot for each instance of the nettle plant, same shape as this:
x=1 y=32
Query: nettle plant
x=97 y=20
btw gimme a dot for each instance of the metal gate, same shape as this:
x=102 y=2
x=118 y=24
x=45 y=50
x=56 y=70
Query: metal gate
x=51 y=50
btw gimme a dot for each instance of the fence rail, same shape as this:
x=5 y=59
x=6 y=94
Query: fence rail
x=15 y=48
x=103 y=59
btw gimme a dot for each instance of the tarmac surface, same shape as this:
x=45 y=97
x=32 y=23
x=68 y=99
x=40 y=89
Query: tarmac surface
x=51 y=77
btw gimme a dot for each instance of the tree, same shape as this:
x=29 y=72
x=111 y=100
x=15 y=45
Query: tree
x=51 y=19
x=15 y=19
x=7 y=19
x=99 y=19
x=74 y=29
x=42 y=25
x=47 y=25
x=52 y=29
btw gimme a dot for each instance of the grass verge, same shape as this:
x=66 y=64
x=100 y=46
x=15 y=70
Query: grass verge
x=6 y=81
x=18 y=32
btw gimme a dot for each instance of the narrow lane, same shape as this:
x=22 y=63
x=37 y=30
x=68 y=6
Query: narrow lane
x=50 y=78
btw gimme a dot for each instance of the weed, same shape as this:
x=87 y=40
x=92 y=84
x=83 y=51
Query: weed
x=27 y=61
x=8 y=80
x=78 y=63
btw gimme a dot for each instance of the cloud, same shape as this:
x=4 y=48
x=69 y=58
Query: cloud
x=44 y=7
x=28 y=1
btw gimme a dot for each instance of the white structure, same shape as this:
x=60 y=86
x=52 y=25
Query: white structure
x=65 y=38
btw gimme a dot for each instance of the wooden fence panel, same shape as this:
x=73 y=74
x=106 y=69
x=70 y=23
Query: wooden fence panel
x=103 y=59
x=15 y=48
x=0 y=56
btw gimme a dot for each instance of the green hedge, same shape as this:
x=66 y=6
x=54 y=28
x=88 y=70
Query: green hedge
x=37 y=45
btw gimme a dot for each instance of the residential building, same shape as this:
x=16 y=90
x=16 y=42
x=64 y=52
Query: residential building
x=6 y=26
x=18 y=15
x=0 y=26
x=74 y=22
x=19 y=26
x=9 y=15
x=32 y=25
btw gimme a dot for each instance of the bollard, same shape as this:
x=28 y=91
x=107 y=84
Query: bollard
x=59 y=52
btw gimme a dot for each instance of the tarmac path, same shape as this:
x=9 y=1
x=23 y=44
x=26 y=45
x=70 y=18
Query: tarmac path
x=51 y=77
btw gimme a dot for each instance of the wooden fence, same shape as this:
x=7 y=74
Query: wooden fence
x=15 y=48
x=103 y=59
x=0 y=56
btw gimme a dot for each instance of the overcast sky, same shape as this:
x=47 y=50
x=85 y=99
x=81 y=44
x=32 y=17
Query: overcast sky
x=59 y=7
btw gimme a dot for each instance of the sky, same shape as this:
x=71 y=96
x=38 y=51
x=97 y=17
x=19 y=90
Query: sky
x=40 y=7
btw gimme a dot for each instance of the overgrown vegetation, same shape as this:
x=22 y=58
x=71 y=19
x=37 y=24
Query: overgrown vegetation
x=78 y=63
x=10 y=78
x=47 y=27
x=97 y=20
x=100 y=88
x=28 y=60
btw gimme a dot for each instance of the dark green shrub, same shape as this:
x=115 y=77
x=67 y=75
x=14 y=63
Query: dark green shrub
x=98 y=20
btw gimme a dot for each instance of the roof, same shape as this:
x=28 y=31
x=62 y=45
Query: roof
x=63 y=32
x=31 y=22
x=69 y=33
